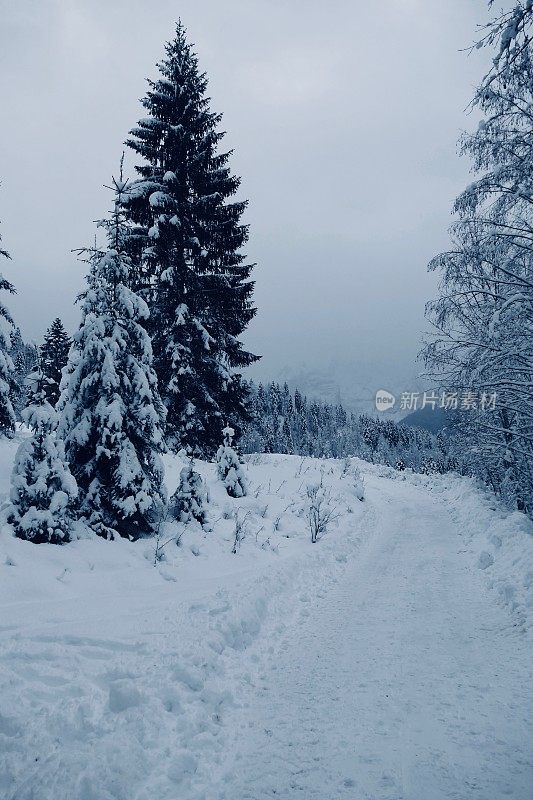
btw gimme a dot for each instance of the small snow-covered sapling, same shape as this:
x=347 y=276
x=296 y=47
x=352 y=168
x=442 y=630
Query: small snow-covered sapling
x=229 y=468
x=43 y=489
x=189 y=501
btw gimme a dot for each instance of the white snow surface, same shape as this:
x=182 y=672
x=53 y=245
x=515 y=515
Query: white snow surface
x=391 y=660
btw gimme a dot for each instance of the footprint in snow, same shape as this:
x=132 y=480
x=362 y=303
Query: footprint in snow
x=193 y=682
x=213 y=612
x=123 y=695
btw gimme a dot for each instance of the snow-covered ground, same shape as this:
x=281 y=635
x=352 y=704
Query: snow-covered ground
x=389 y=660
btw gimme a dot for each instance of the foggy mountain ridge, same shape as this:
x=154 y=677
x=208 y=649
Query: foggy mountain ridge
x=352 y=384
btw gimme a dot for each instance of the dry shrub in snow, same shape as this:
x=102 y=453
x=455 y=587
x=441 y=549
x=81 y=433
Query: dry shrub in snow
x=320 y=511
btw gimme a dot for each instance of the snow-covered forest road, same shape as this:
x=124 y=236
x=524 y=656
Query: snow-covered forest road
x=404 y=682
x=389 y=661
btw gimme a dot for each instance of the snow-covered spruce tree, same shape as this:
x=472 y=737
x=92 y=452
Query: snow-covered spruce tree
x=189 y=501
x=54 y=357
x=43 y=489
x=229 y=468
x=7 y=368
x=185 y=242
x=111 y=416
x=25 y=357
x=483 y=318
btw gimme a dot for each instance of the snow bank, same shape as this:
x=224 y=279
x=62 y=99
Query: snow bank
x=117 y=667
x=501 y=544
x=497 y=541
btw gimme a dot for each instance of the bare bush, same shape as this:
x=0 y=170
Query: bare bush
x=352 y=472
x=240 y=530
x=320 y=511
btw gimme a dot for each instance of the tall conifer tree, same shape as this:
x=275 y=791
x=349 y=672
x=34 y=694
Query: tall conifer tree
x=186 y=239
x=111 y=416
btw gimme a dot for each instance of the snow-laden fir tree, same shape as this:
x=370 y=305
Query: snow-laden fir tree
x=111 y=416
x=7 y=368
x=53 y=358
x=43 y=489
x=186 y=242
x=483 y=317
x=229 y=468
x=190 y=500
x=25 y=357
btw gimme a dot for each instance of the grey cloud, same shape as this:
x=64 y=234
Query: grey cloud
x=344 y=117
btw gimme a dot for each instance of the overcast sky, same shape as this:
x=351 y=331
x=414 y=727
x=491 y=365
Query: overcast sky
x=344 y=116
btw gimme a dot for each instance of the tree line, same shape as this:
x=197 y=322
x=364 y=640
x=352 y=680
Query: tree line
x=288 y=422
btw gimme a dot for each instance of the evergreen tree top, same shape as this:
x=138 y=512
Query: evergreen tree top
x=57 y=326
x=110 y=267
x=181 y=61
x=180 y=121
x=54 y=338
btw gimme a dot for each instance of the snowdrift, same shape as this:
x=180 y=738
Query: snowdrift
x=119 y=661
